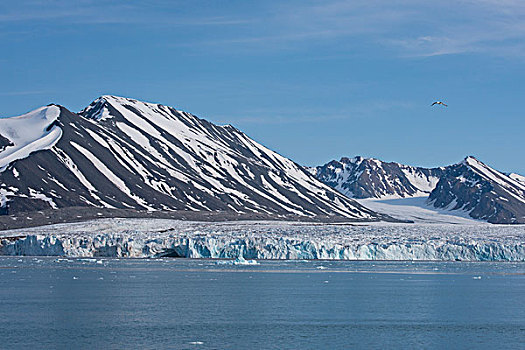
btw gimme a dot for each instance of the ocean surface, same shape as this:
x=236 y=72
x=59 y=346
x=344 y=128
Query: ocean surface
x=210 y=304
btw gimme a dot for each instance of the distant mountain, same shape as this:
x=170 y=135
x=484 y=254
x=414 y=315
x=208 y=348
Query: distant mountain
x=483 y=192
x=360 y=177
x=127 y=154
x=470 y=186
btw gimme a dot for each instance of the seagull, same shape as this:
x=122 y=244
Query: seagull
x=439 y=103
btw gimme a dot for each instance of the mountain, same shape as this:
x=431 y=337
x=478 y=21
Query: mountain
x=120 y=153
x=360 y=177
x=483 y=192
x=470 y=186
x=4 y=142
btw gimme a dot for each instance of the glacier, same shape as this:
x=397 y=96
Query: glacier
x=150 y=238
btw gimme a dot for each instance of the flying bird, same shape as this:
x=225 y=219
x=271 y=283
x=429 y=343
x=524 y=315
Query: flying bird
x=439 y=103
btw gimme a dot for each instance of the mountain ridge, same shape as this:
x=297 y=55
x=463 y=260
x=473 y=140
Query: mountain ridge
x=483 y=192
x=360 y=177
x=470 y=186
x=124 y=153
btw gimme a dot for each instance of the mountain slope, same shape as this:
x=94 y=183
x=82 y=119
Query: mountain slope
x=483 y=192
x=360 y=177
x=470 y=188
x=28 y=133
x=123 y=153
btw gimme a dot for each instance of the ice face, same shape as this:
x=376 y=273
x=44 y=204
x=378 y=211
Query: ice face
x=268 y=240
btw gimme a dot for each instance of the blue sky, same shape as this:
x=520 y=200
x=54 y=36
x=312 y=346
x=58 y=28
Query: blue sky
x=312 y=80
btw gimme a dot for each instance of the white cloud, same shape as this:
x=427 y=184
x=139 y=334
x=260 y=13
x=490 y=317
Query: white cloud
x=403 y=27
x=412 y=28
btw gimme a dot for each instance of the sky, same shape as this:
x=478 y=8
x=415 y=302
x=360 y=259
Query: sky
x=312 y=80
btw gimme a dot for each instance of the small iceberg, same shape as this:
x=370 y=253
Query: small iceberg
x=63 y=260
x=241 y=261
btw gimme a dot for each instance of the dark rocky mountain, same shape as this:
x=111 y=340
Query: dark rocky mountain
x=470 y=186
x=483 y=192
x=360 y=177
x=121 y=153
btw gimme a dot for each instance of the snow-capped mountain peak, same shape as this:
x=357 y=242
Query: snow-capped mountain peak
x=31 y=132
x=360 y=177
x=470 y=160
x=124 y=153
x=506 y=181
x=482 y=191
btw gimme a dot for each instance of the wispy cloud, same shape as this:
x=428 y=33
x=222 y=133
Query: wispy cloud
x=24 y=93
x=91 y=12
x=108 y=12
x=406 y=28
x=370 y=109
x=486 y=26
x=409 y=28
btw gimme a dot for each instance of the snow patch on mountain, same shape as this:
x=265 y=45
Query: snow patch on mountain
x=418 y=210
x=517 y=177
x=28 y=133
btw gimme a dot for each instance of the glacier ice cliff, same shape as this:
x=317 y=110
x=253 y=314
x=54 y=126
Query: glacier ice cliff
x=142 y=238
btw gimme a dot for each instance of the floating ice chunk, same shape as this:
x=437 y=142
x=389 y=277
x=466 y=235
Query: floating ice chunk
x=241 y=261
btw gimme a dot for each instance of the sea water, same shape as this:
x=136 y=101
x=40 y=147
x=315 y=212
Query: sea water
x=210 y=304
